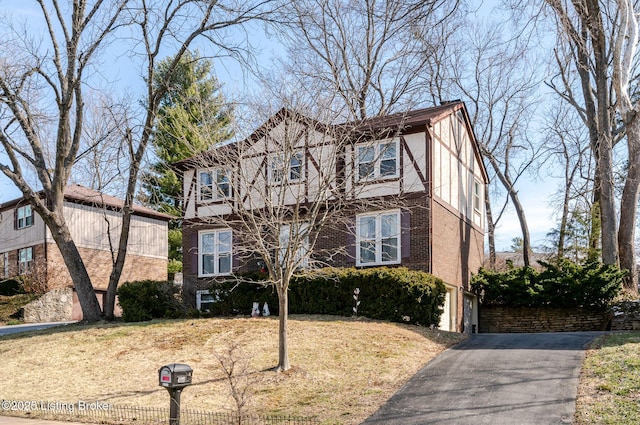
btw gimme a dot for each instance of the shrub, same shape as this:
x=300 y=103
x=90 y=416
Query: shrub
x=149 y=299
x=394 y=294
x=562 y=284
x=11 y=287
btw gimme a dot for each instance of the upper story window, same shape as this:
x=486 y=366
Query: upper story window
x=378 y=238
x=24 y=217
x=214 y=252
x=214 y=185
x=25 y=259
x=477 y=196
x=377 y=161
x=281 y=170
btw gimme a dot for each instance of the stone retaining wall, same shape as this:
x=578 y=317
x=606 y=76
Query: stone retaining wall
x=532 y=320
x=54 y=306
x=626 y=316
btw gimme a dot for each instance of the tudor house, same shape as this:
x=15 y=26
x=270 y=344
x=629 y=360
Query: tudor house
x=27 y=246
x=412 y=183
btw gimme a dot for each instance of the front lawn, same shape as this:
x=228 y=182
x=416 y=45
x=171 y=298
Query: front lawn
x=343 y=369
x=609 y=391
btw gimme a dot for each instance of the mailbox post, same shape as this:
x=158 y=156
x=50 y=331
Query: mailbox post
x=175 y=377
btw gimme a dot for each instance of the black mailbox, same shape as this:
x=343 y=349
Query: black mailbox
x=175 y=375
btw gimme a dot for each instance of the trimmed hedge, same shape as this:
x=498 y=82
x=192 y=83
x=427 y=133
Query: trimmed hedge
x=149 y=299
x=394 y=294
x=562 y=284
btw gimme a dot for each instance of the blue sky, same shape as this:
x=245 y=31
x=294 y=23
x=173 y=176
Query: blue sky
x=534 y=195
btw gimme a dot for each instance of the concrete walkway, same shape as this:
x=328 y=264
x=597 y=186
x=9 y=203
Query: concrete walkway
x=497 y=379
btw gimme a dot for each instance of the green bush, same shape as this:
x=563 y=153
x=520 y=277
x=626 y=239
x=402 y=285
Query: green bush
x=561 y=284
x=394 y=294
x=238 y=295
x=11 y=287
x=149 y=299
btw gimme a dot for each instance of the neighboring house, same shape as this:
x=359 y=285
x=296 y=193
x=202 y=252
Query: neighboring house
x=426 y=163
x=27 y=246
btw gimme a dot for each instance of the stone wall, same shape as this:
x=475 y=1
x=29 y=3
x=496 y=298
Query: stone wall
x=626 y=316
x=54 y=306
x=532 y=320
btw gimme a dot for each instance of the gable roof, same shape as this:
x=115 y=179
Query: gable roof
x=398 y=123
x=79 y=194
x=404 y=121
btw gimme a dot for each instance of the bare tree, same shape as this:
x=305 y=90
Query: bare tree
x=500 y=82
x=584 y=48
x=369 y=53
x=236 y=367
x=178 y=23
x=284 y=197
x=42 y=112
x=569 y=143
x=624 y=58
x=42 y=106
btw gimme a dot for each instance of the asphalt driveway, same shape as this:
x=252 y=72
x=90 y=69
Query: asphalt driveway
x=494 y=379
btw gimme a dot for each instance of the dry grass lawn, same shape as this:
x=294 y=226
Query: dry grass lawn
x=343 y=369
x=609 y=390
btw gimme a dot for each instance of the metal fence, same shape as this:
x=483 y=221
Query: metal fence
x=160 y=416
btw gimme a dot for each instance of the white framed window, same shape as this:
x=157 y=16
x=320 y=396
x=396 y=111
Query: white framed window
x=378 y=161
x=477 y=196
x=301 y=258
x=204 y=299
x=214 y=252
x=25 y=259
x=378 y=238
x=214 y=185
x=24 y=217
x=281 y=170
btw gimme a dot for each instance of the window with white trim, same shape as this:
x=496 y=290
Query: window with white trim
x=378 y=238
x=214 y=185
x=205 y=299
x=25 y=259
x=280 y=170
x=214 y=252
x=301 y=242
x=24 y=217
x=377 y=161
x=477 y=196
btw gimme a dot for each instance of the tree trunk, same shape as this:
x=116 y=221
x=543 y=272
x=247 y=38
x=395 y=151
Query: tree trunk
x=607 y=206
x=629 y=207
x=513 y=195
x=526 y=238
x=491 y=233
x=283 y=340
x=118 y=265
x=86 y=295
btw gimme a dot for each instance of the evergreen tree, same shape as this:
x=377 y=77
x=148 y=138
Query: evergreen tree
x=193 y=116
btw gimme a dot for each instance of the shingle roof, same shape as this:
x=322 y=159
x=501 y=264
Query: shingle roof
x=417 y=117
x=83 y=195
